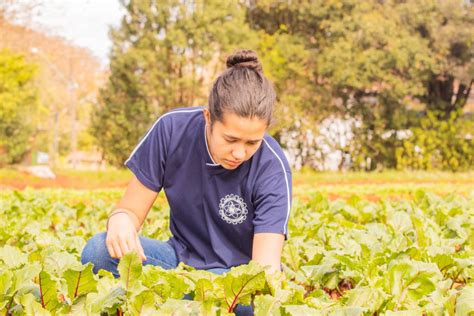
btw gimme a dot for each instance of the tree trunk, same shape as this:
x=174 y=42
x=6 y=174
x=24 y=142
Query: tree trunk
x=442 y=96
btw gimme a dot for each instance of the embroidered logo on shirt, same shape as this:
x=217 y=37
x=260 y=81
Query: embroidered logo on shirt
x=233 y=209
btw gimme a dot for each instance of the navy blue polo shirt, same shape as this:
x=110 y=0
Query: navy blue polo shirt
x=215 y=212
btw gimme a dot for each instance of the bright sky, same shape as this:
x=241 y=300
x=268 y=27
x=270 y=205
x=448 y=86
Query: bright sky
x=83 y=22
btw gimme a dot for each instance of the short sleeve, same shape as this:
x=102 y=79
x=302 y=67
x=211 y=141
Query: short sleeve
x=148 y=159
x=273 y=203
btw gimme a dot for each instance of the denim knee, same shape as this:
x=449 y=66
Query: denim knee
x=96 y=252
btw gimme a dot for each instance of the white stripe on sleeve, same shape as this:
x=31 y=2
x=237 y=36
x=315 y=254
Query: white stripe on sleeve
x=287 y=185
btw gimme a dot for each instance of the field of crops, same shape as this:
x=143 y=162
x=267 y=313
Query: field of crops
x=343 y=257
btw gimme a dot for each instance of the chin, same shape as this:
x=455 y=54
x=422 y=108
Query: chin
x=230 y=167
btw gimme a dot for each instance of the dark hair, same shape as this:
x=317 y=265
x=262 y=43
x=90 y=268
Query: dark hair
x=242 y=89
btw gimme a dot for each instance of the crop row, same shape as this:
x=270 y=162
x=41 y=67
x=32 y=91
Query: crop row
x=352 y=257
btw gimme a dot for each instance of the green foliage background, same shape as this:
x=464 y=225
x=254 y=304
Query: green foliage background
x=18 y=100
x=389 y=64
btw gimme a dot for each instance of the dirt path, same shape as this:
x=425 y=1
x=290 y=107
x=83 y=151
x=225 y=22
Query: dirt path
x=66 y=182
x=69 y=182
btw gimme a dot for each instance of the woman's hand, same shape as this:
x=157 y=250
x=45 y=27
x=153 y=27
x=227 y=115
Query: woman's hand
x=126 y=220
x=122 y=236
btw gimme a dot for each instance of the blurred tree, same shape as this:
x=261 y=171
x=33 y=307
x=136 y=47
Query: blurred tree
x=67 y=78
x=372 y=63
x=288 y=49
x=368 y=60
x=372 y=60
x=288 y=65
x=436 y=144
x=447 y=27
x=164 y=55
x=18 y=105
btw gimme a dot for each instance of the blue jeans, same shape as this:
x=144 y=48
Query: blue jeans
x=158 y=253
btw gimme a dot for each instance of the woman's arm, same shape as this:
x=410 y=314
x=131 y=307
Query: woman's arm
x=137 y=201
x=267 y=248
x=131 y=211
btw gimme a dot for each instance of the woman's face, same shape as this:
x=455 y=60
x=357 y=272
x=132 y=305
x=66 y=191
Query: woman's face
x=235 y=139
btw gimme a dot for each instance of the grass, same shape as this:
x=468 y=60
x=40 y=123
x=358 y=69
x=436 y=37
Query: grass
x=375 y=185
x=308 y=175
x=378 y=185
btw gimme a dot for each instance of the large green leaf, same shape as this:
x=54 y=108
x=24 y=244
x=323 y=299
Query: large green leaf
x=79 y=307
x=400 y=222
x=143 y=303
x=6 y=281
x=410 y=280
x=48 y=292
x=297 y=310
x=367 y=297
x=165 y=283
x=130 y=270
x=105 y=301
x=80 y=282
x=24 y=276
x=56 y=261
x=12 y=257
x=267 y=305
x=419 y=225
x=179 y=307
x=348 y=311
x=465 y=302
x=326 y=273
x=204 y=290
x=31 y=306
x=240 y=283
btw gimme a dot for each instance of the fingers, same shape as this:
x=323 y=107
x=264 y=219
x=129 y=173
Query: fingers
x=110 y=249
x=122 y=237
x=114 y=250
x=135 y=246
x=116 y=247
x=139 y=248
x=121 y=246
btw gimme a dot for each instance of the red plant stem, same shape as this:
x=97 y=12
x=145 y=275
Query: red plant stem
x=41 y=292
x=225 y=297
x=7 y=313
x=234 y=302
x=77 y=285
x=455 y=278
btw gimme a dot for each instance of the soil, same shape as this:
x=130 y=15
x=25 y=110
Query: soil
x=65 y=182
x=25 y=180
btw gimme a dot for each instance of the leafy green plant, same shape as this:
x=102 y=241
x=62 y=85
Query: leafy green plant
x=351 y=257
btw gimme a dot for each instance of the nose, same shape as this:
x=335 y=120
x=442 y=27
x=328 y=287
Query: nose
x=238 y=153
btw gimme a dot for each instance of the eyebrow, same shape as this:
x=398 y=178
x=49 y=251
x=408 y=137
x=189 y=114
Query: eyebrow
x=236 y=138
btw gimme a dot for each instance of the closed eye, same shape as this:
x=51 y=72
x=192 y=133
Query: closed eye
x=235 y=140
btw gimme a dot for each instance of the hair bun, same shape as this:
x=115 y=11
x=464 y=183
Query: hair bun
x=244 y=58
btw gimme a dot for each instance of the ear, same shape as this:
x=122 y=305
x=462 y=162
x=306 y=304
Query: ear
x=207 y=116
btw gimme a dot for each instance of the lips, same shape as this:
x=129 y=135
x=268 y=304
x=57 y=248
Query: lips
x=233 y=163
